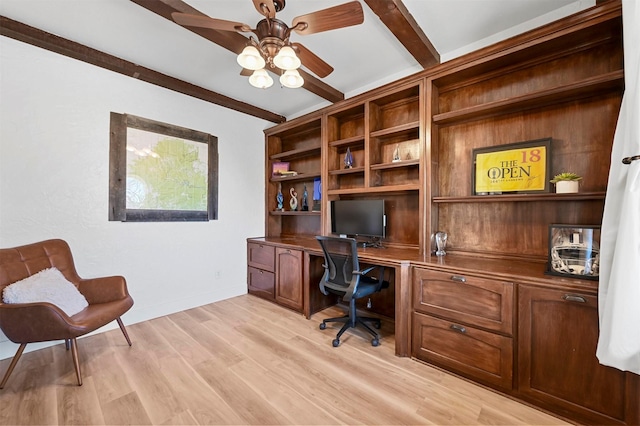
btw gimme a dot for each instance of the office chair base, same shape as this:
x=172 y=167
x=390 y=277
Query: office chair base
x=350 y=322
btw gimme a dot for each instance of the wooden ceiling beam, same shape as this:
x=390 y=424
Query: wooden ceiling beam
x=394 y=14
x=232 y=41
x=36 y=37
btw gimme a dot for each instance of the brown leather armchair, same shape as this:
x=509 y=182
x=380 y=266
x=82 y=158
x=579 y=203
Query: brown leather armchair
x=108 y=299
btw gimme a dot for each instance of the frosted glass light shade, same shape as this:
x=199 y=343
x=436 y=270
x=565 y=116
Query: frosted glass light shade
x=291 y=79
x=251 y=59
x=260 y=79
x=286 y=59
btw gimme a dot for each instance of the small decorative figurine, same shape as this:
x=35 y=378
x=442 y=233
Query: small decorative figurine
x=280 y=199
x=348 y=159
x=293 y=202
x=396 y=154
x=305 y=203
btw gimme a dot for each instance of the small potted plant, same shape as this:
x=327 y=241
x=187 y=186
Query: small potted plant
x=566 y=182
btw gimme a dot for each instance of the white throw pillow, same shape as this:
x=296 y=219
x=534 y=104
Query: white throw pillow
x=48 y=285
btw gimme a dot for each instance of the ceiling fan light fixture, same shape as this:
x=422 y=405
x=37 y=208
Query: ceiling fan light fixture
x=291 y=79
x=251 y=59
x=286 y=59
x=261 y=79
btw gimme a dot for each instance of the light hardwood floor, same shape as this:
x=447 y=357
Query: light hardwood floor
x=245 y=361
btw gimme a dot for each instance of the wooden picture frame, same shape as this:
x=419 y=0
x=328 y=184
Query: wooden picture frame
x=515 y=168
x=574 y=251
x=159 y=172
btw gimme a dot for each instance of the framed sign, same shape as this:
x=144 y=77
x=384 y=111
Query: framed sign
x=574 y=251
x=521 y=167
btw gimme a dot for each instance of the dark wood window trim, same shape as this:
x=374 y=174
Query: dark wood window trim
x=118 y=171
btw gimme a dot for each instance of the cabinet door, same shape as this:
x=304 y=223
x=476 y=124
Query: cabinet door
x=289 y=278
x=478 y=354
x=481 y=302
x=261 y=256
x=260 y=282
x=557 y=364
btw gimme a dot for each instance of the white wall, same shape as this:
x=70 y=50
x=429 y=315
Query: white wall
x=54 y=180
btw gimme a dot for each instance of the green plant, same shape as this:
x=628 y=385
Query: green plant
x=565 y=176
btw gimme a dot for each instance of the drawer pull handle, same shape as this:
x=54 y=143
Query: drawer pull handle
x=458 y=278
x=458 y=328
x=574 y=298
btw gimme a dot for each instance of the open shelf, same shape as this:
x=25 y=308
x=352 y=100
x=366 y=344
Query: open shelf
x=298 y=177
x=296 y=153
x=294 y=213
x=395 y=130
x=375 y=189
x=347 y=142
x=347 y=171
x=580 y=196
x=582 y=89
x=398 y=164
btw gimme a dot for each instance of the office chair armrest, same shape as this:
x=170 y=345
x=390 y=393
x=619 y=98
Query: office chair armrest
x=365 y=271
x=103 y=289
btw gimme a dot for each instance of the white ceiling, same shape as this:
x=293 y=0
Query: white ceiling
x=363 y=56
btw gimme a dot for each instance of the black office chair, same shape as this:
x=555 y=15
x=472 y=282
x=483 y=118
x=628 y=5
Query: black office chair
x=343 y=277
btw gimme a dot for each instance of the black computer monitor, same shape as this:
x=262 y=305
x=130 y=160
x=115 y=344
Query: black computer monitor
x=358 y=218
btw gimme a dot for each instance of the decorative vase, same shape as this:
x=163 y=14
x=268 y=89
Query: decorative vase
x=567 y=186
x=348 y=159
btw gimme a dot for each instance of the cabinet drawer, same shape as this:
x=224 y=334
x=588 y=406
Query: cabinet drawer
x=260 y=282
x=474 y=301
x=261 y=256
x=478 y=354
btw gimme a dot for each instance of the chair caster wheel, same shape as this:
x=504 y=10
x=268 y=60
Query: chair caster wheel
x=322 y=326
x=375 y=342
x=335 y=343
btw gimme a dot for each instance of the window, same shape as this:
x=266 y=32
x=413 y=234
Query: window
x=161 y=173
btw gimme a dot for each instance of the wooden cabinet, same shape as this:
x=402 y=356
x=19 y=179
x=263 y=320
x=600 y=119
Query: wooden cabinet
x=289 y=290
x=275 y=273
x=464 y=323
x=261 y=270
x=557 y=365
x=412 y=143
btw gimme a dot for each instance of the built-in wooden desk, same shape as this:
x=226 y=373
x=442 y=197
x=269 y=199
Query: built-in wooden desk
x=399 y=260
x=500 y=322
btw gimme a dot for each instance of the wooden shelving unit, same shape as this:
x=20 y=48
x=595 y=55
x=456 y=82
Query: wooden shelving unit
x=522 y=337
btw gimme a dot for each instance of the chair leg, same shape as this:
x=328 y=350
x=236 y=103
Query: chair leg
x=76 y=363
x=124 y=330
x=14 y=361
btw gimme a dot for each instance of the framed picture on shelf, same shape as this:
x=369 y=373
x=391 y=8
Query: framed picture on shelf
x=516 y=168
x=574 y=251
x=279 y=168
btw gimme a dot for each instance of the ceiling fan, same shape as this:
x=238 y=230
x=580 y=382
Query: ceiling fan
x=273 y=49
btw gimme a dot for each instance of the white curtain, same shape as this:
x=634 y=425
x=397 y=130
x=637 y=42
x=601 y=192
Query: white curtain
x=619 y=289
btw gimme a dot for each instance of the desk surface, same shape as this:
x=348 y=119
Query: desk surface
x=521 y=270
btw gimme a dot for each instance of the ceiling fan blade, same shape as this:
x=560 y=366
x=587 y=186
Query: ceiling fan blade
x=245 y=72
x=266 y=8
x=311 y=61
x=344 y=15
x=188 y=20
